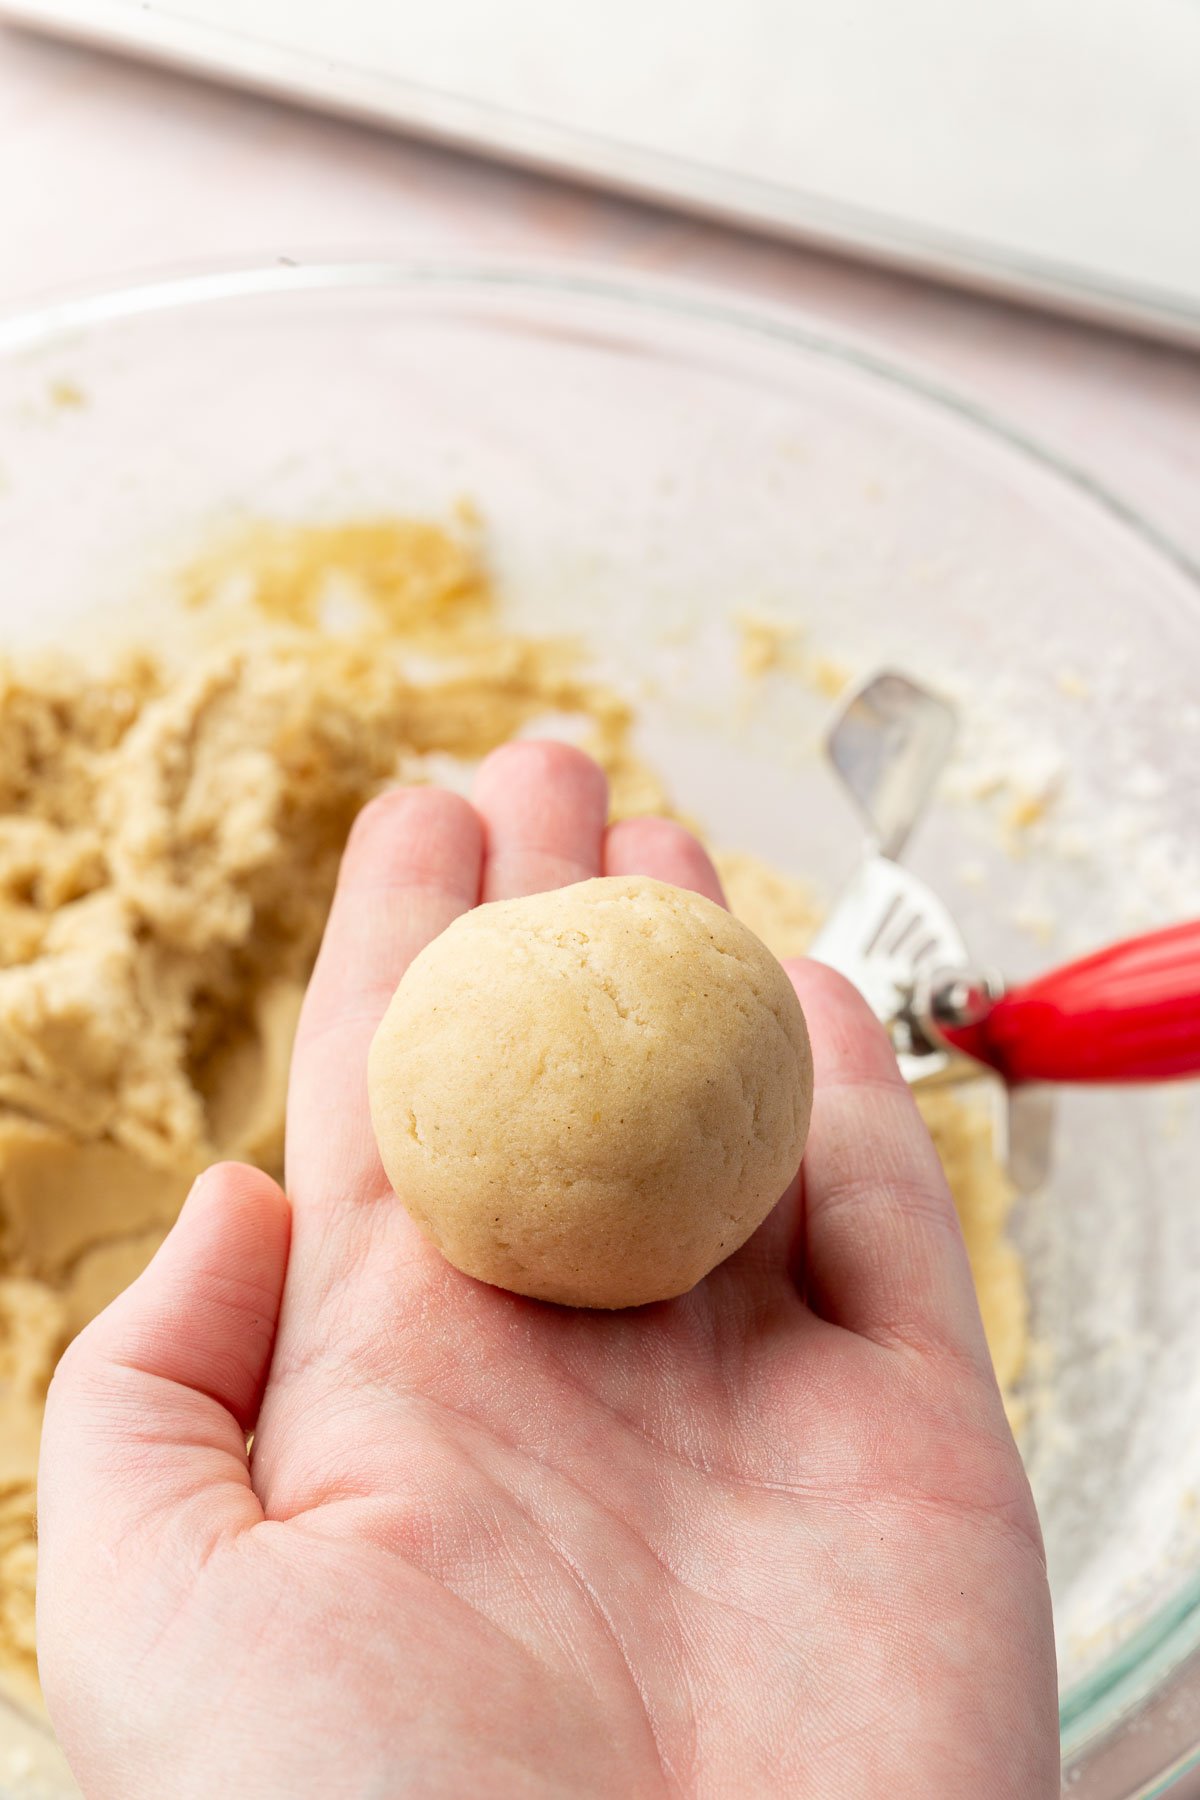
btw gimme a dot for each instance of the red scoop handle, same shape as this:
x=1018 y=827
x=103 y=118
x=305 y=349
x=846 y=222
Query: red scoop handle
x=1127 y=1013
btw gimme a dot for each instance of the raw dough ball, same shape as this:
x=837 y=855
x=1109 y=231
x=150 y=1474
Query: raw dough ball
x=592 y=1095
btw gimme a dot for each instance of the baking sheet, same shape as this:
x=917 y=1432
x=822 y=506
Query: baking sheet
x=1042 y=149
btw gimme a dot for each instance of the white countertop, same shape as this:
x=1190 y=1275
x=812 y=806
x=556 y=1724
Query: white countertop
x=109 y=170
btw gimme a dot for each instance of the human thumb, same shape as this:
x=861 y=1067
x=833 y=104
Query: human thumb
x=149 y=1409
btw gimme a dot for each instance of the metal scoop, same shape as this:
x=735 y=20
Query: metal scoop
x=889 y=933
x=1130 y=1012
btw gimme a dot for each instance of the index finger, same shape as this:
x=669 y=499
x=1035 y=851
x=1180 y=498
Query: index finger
x=884 y=1254
x=411 y=866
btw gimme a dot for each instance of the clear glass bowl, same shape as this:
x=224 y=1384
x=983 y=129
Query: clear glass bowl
x=650 y=463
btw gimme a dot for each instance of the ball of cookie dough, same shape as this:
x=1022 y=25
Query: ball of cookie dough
x=592 y=1095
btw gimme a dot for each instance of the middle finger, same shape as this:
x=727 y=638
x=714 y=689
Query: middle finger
x=544 y=807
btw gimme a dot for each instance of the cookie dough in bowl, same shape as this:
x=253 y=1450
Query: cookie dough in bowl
x=594 y=1095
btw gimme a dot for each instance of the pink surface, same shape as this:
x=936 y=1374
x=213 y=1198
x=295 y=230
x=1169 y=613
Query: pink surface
x=108 y=170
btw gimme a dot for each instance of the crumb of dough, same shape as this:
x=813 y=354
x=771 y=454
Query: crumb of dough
x=1026 y=810
x=765 y=643
x=828 y=676
x=170 y=829
x=68 y=396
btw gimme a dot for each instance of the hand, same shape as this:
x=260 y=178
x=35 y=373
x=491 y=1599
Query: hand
x=770 y=1538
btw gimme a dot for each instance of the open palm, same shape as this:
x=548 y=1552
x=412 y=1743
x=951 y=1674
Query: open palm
x=769 y=1538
